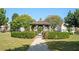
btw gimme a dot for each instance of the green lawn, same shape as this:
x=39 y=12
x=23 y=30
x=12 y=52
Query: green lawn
x=70 y=44
x=9 y=43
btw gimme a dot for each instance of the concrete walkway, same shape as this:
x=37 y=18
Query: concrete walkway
x=38 y=44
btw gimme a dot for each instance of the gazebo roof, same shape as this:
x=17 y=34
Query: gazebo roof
x=40 y=23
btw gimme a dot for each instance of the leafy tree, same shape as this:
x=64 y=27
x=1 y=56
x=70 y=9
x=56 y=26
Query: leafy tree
x=69 y=19
x=72 y=19
x=76 y=18
x=3 y=18
x=54 y=20
x=21 y=21
x=14 y=16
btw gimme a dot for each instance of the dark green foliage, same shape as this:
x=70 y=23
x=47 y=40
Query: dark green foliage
x=14 y=16
x=69 y=19
x=3 y=18
x=23 y=34
x=22 y=48
x=56 y=35
x=63 y=45
x=72 y=19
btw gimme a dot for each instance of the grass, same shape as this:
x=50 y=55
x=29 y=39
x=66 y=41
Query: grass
x=63 y=45
x=70 y=44
x=9 y=43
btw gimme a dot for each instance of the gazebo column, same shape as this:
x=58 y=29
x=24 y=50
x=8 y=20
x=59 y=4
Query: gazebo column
x=50 y=28
x=43 y=27
x=35 y=28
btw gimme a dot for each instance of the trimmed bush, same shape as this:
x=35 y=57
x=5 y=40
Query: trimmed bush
x=56 y=35
x=23 y=34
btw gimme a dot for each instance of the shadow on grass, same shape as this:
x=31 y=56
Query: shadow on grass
x=39 y=47
x=22 y=48
x=63 y=45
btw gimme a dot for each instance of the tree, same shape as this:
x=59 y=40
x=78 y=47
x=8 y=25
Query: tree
x=54 y=20
x=76 y=18
x=3 y=18
x=21 y=21
x=14 y=16
x=72 y=19
x=69 y=19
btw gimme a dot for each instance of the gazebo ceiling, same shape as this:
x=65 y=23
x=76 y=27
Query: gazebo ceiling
x=40 y=23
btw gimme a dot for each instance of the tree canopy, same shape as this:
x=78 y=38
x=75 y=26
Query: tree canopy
x=3 y=18
x=14 y=16
x=72 y=19
x=69 y=19
x=54 y=20
x=21 y=21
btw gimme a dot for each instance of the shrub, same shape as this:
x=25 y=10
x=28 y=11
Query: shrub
x=56 y=35
x=23 y=34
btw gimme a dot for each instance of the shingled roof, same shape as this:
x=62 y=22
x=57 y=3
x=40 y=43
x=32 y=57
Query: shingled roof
x=40 y=23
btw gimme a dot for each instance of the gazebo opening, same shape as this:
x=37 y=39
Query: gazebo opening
x=40 y=26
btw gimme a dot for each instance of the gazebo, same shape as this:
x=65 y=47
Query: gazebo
x=45 y=26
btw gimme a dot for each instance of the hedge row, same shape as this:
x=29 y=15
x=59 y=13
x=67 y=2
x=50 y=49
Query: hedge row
x=56 y=35
x=23 y=34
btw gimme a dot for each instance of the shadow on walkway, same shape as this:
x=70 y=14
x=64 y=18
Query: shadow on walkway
x=39 y=47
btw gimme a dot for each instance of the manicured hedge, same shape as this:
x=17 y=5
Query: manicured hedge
x=56 y=35
x=23 y=34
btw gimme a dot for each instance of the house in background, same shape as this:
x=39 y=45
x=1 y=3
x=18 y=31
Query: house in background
x=21 y=29
x=8 y=28
x=63 y=28
x=5 y=28
x=58 y=28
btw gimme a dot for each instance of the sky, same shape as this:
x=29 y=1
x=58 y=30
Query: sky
x=38 y=13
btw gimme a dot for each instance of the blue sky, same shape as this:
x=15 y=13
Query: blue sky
x=37 y=13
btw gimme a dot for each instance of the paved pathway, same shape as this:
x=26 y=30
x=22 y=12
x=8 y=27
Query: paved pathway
x=38 y=44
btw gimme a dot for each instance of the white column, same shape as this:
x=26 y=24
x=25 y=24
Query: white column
x=50 y=28
x=35 y=28
x=43 y=27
